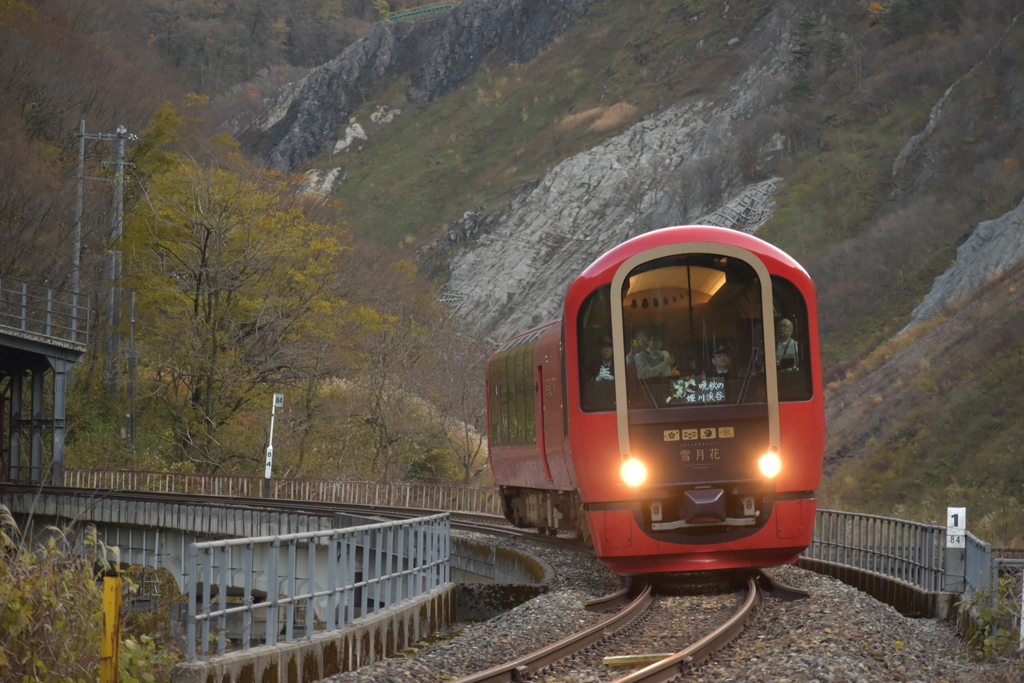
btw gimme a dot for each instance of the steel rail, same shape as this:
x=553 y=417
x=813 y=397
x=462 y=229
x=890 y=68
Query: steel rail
x=782 y=591
x=673 y=666
x=616 y=599
x=524 y=666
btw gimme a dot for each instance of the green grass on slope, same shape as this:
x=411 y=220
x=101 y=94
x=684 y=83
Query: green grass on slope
x=836 y=188
x=963 y=448
x=509 y=125
x=890 y=314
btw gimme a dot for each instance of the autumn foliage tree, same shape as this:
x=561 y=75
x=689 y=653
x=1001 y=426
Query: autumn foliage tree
x=233 y=278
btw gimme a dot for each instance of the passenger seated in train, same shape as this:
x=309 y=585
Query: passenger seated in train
x=787 y=350
x=652 y=362
x=605 y=369
x=639 y=344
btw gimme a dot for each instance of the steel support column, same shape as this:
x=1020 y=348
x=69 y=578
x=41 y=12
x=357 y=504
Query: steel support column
x=15 y=422
x=38 y=384
x=60 y=368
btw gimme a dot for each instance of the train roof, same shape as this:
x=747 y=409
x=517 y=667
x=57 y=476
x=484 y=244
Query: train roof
x=612 y=258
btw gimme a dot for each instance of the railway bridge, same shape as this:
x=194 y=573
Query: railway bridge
x=42 y=330
x=920 y=569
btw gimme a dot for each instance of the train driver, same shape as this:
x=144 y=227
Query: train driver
x=722 y=362
x=605 y=369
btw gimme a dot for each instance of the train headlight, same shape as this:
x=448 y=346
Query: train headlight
x=633 y=472
x=770 y=464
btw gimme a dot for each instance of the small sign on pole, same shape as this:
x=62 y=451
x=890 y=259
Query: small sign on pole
x=956 y=527
x=277 y=403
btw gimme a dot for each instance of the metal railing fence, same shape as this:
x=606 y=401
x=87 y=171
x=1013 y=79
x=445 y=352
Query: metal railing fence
x=452 y=497
x=977 y=563
x=909 y=551
x=31 y=309
x=393 y=561
x=1010 y=593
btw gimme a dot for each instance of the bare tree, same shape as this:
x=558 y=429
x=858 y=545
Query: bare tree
x=452 y=381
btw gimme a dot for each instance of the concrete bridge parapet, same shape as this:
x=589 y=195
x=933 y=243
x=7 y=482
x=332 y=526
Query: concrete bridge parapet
x=151 y=533
x=367 y=641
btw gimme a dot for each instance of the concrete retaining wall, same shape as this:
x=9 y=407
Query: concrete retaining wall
x=516 y=578
x=499 y=564
x=393 y=630
x=907 y=598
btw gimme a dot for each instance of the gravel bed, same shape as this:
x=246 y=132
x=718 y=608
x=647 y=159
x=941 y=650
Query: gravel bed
x=534 y=624
x=843 y=635
x=837 y=635
x=669 y=625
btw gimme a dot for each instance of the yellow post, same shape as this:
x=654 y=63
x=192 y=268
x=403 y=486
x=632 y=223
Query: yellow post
x=110 y=645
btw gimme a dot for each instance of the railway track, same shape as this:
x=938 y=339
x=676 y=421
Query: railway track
x=702 y=624
x=464 y=521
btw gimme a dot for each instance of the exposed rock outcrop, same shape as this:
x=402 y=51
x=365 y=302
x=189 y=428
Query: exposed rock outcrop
x=993 y=248
x=667 y=170
x=440 y=54
x=962 y=113
x=321 y=182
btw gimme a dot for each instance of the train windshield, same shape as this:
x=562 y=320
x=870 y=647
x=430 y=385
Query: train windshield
x=695 y=333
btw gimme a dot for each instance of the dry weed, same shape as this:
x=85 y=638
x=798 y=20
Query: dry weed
x=573 y=120
x=614 y=116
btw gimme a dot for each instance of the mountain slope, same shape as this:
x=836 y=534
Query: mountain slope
x=868 y=140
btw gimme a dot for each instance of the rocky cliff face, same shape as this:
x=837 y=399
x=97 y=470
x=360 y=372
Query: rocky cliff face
x=973 y=311
x=440 y=55
x=674 y=168
x=509 y=272
x=994 y=248
x=997 y=245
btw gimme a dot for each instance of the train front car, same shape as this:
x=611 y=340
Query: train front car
x=701 y=446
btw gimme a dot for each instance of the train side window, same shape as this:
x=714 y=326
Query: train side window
x=792 y=348
x=593 y=325
x=513 y=414
x=520 y=434
x=529 y=396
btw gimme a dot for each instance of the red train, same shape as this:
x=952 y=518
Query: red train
x=645 y=419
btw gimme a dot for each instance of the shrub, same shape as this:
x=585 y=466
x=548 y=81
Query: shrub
x=987 y=620
x=51 y=612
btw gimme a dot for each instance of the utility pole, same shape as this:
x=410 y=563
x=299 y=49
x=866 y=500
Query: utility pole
x=131 y=356
x=76 y=256
x=113 y=338
x=114 y=269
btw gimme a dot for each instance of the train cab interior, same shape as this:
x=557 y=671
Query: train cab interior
x=695 y=336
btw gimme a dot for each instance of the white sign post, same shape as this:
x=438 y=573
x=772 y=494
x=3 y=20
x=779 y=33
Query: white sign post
x=956 y=527
x=956 y=550
x=277 y=403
